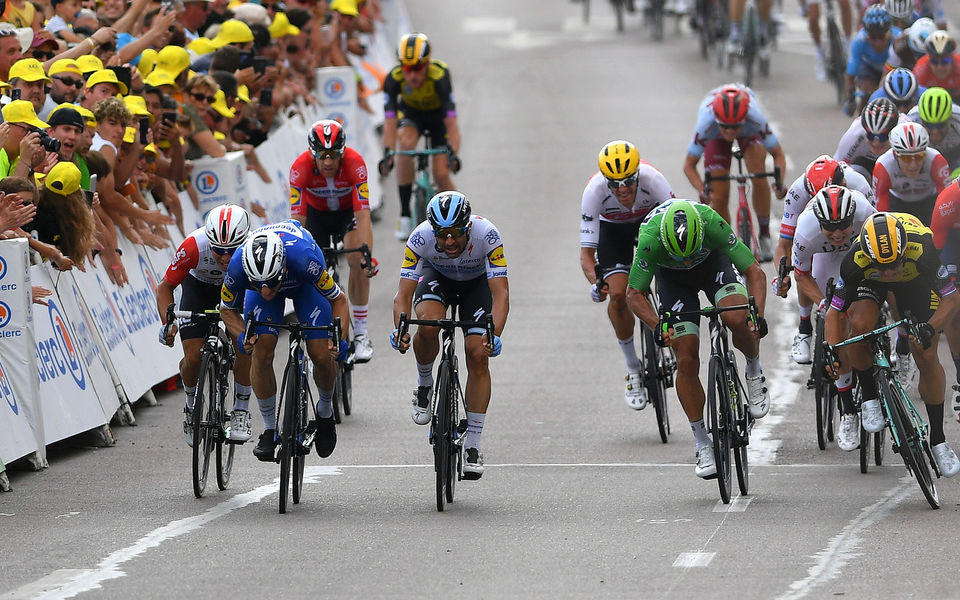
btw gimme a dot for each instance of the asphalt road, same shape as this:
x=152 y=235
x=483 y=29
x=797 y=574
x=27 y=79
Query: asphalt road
x=580 y=498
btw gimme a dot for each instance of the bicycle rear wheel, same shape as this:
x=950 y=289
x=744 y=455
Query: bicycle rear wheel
x=824 y=392
x=879 y=445
x=441 y=438
x=718 y=403
x=225 y=450
x=913 y=448
x=751 y=40
x=654 y=381
x=203 y=418
x=745 y=227
x=453 y=464
x=420 y=199
x=740 y=427
x=837 y=60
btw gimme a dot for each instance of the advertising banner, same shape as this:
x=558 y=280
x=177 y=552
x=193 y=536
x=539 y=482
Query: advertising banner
x=337 y=91
x=218 y=181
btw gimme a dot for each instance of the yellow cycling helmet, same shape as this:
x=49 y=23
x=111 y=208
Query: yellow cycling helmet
x=883 y=239
x=618 y=160
x=414 y=49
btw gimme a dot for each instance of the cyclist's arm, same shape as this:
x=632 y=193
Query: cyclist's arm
x=164 y=298
x=453 y=132
x=364 y=228
x=500 y=291
x=945 y=310
x=339 y=307
x=881 y=186
x=690 y=170
x=807 y=285
x=403 y=299
x=390 y=131
x=940 y=172
x=588 y=258
x=945 y=214
x=232 y=320
x=639 y=302
x=756 y=285
x=780 y=161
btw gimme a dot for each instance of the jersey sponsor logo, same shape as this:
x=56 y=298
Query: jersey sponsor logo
x=228 y=281
x=314 y=268
x=493 y=237
x=944 y=173
x=945 y=209
x=325 y=283
x=586 y=218
x=226 y=295
x=410 y=258
x=732 y=240
x=294 y=175
x=417 y=240
x=496 y=257
x=362 y=172
x=364 y=191
x=942 y=273
x=294 y=196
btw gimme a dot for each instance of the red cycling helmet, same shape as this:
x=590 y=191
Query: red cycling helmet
x=730 y=105
x=327 y=134
x=823 y=171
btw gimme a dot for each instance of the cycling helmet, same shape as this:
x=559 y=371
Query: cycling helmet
x=448 y=209
x=824 y=170
x=899 y=9
x=883 y=238
x=618 y=160
x=327 y=134
x=414 y=49
x=918 y=32
x=834 y=205
x=876 y=20
x=939 y=43
x=909 y=138
x=730 y=105
x=935 y=106
x=227 y=226
x=263 y=256
x=879 y=116
x=900 y=85
x=681 y=229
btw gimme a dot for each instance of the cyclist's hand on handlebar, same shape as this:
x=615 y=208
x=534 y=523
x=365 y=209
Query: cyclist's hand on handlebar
x=702 y=195
x=759 y=327
x=374 y=267
x=831 y=368
x=245 y=346
x=665 y=338
x=597 y=294
x=497 y=346
x=780 y=287
x=386 y=163
x=341 y=351
x=167 y=333
x=398 y=344
x=926 y=333
x=780 y=190
x=455 y=163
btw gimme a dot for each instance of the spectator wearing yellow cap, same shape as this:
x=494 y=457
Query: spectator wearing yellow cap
x=64 y=218
x=281 y=26
x=27 y=76
x=175 y=62
x=66 y=80
x=89 y=64
x=100 y=85
x=198 y=96
x=236 y=33
x=22 y=152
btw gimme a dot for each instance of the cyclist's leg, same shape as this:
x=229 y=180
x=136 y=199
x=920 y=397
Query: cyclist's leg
x=615 y=255
x=932 y=383
x=716 y=162
x=846 y=19
x=358 y=285
x=441 y=162
x=429 y=302
x=862 y=317
x=736 y=15
x=407 y=136
x=313 y=309
x=755 y=154
x=950 y=258
x=813 y=21
x=262 y=375
x=195 y=296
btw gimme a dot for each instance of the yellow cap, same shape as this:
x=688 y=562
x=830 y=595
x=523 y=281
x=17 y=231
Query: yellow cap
x=173 y=60
x=152 y=149
x=4 y=85
x=243 y=93
x=147 y=59
x=21 y=111
x=89 y=63
x=281 y=26
x=220 y=105
x=219 y=136
x=201 y=46
x=233 y=32
x=87 y=114
x=129 y=134
x=28 y=69
x=63 y=178
x=234 y=3
x=138 y=107
x=160 y=78
x=65 y=65
x=106 y=76
x=345 y=7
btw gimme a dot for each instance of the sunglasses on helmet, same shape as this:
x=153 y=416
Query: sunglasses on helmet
x=616 y=184
x=454 y=232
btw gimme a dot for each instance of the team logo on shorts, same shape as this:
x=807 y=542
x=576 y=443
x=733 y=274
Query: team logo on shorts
x=410 y=258
x=496 y=257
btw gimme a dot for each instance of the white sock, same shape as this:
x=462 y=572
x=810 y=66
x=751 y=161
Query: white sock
x=474 y=429
x=191 y=393
x=325 y=404
x=241 y=396
x=630 y=354
x=700 y=433
x=268 y=410
x=360 y=320
x=753 y=366
x=425 y=374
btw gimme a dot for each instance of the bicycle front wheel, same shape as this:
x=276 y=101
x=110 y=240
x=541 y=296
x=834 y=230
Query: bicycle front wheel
x=441 y=440
x=718 y=403
x=346 y=384
x=453 y=464
x=299 y=456
x=751 y=40
x=289 y=405
x=913 y=447
x=654 y=381
x=203 y=441
x=740 y=429
x=225 y=450
x=745 y=226
x=837 y=60
x=825 y=393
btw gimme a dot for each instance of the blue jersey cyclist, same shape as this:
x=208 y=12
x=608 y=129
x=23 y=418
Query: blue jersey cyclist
x=901 y=87
x=281 y=261
x=868 y=54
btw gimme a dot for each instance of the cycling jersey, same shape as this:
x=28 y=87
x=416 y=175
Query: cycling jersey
x=921 y=266
x=717 y=236
x=864 y=60
x=949 y=146
x=196 y=258
x=854 y=148
x=810 y=240
x=483 y=254
x=900 y=54
x=708 y=129
x=599 y=204
x=946 y=214
x=436 y=93
x=890 y=182
x=347 y=190
x=798 y=198
x=951 y=82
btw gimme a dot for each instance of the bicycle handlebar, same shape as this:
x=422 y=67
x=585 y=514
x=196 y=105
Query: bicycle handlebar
x=742 y=178
x=363 y=249
x=209 y=315
x=425 y=152
x=295 y=328
x=711 y=312
x=445 y=324
x=831 y=357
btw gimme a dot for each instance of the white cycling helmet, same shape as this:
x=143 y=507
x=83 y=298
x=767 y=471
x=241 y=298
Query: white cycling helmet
x=834 y=205
x=899 y=9
x=227 y=226
x=918 y=33
x=263 y=256
x=909 y=138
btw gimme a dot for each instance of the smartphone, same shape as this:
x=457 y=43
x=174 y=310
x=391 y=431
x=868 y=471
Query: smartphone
x=144 y=128
x=123 y=75
x=266 y=97
x=260 y=64
x=93 y=190
x=89 y=196
x=14 y=94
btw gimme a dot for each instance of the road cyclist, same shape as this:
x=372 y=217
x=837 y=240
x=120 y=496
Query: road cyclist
x=278 y=262
x=939 y=115
x=614 y=203
x=868 y=55
x=900 y=85
x=691 y=248
x=908 y=176
x=869 y=136
x=330 y=198
x=945 y=225
x=454 y=259
x=812 y=10
x=198 y=268
x=907 y=48
x=940 y=66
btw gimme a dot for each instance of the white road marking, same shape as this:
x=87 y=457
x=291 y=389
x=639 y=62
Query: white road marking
x=688 y=560
x=486 y=25
x=840 y=549
x=737 y=504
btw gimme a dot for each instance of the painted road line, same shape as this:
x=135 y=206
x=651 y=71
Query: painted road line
x=737 y=504
x=689 y=560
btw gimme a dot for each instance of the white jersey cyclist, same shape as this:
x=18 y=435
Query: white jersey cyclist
x=195 y=257
x=890 y=182
x=599 y=203
x=854 y=148
x=798 y=198
x=483 y=254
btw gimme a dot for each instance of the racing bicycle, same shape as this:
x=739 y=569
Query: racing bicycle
x=835 y=54
x=713 y=26
x=424 y=187
x=447 y=429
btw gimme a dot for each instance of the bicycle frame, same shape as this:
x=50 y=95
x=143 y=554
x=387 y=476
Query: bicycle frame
x=423 y=185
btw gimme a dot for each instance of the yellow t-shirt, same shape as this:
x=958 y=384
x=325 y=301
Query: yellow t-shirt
x=20 y=16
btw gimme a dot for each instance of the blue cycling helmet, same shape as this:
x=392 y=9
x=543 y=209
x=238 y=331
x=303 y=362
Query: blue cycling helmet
x=876 y=20
x=448 y=209
x=900 y=85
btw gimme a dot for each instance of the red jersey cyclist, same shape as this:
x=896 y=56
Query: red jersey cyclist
x=329 y=197
x=199 y=267
x=614 y=203
x=941 y=65
x=946 y=237
x=908 y=176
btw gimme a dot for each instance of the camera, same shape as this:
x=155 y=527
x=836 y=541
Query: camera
x=49 y=144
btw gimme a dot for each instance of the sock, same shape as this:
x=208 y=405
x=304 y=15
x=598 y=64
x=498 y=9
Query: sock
x=753 y=367
x=867 y=384
x=268 y=410
x=935 y=417
x=763 y=226
x=325 y=404
x=474 y=429
x=700 y=433
x=191 y=392
x=630 y=354
x=360 y=319
x=845 y=389
x=805 y=326
x=241 y=396
x=425 y=374
x=406 y=191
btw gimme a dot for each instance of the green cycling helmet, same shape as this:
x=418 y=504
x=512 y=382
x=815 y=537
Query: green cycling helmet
x=935 y=106
x=681 y=230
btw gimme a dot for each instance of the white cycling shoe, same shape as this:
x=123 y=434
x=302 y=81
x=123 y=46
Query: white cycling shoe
x=758 y=398
x=801 y=349
x=240 y=430
x=848 y=437
x=421 y=410
x=636 y=394
x=362 y=348
x=946 y=458
x=706 y=465
x=872 y=416
x=404 y=228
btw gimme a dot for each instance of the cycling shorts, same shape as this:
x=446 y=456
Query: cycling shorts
x=430 y=123
x=717 y=155
x=617 y=245
x=325 y=225
x=472 y=297
x=309 y=304
x=950 y=255
x=197 y=296
x=920 y=300
x=680 y=290
x=921 y=209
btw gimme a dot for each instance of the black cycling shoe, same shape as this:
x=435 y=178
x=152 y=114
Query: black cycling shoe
x=266 y=446
x=326 y=439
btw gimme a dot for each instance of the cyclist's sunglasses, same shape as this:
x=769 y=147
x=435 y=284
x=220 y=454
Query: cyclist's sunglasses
x=221 y=251
x=876 y=37
x=616 y=184
x=414 y=68
x=943 y=60
x=889 y=266
x=325 y=154
x=912 y=157
x=836 y=226
x=270 y=283
x=730 y=125
x=454 y=232
x=878 y=137
x=930 y=126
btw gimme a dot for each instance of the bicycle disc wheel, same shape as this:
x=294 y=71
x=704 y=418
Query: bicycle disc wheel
x=346 y=384
x=202 y=433
x=653 y=379
x=453 y=467
x=717 y=408
x=441 y=439
x=913 y=447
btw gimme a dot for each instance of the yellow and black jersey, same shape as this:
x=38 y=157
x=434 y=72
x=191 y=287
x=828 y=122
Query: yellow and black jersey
x=436 y=93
